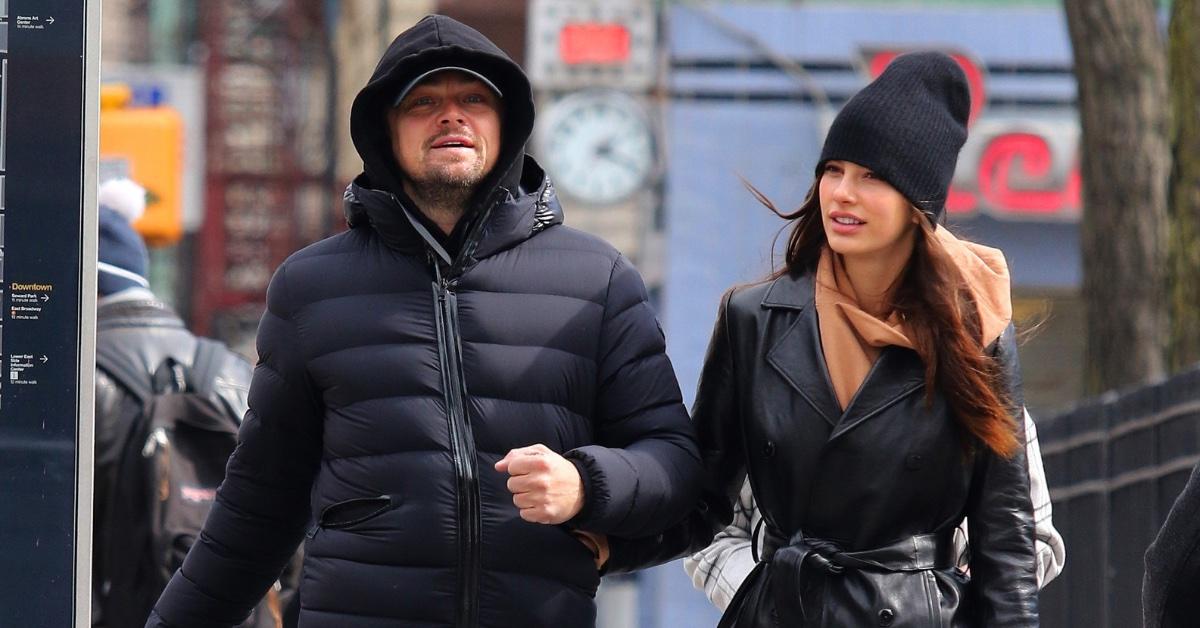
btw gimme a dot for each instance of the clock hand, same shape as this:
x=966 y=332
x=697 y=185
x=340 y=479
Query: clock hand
x=626 y=163
x=604 y=149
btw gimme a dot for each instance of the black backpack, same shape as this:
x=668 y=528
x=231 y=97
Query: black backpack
x=166 y=480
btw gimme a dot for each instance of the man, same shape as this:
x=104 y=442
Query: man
x=457 y=398
x=137 y=334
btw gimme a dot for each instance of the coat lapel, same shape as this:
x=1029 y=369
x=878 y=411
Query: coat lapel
x=796 y=355
x=798 y=358
x=897 y=374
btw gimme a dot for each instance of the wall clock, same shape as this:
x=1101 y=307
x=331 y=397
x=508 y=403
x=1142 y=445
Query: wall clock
x=598 y=146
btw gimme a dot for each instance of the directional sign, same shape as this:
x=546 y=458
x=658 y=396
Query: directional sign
x=49 y=86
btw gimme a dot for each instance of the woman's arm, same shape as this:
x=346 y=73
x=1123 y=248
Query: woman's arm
x=1003 y=559
x=720 y=568
x=1051 y=551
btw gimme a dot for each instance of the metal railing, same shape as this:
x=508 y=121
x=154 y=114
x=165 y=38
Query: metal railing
x=1115 y=466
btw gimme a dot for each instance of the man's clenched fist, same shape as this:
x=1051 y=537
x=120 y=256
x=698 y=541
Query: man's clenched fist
x=545 y=486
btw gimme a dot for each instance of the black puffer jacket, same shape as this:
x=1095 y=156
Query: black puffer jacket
x=393 y=377
x=877 y=490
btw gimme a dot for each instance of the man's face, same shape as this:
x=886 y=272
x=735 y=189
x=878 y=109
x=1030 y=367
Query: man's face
x=446 y=131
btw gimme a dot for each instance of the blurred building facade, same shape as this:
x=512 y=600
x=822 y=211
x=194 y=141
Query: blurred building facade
x=265 y=88
x=649 y=112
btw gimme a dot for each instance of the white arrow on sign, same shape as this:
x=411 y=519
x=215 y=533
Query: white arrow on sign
x=50 y=20
x=45 y=298
x=45 y=359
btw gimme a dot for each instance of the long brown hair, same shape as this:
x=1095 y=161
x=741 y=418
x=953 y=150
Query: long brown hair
x=942 y=319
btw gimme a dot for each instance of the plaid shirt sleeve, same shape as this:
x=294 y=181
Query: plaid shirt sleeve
x=720 y=568
x=1051 y=552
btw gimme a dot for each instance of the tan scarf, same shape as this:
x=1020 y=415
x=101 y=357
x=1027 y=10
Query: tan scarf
x=852 y=339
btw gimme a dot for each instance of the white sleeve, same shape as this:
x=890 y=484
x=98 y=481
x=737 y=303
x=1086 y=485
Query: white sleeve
x=720 y=568
x=1051 y=552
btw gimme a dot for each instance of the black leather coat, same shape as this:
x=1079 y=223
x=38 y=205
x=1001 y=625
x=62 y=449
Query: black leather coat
x=858 y=505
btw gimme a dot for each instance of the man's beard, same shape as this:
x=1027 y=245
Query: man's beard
x=447 y=189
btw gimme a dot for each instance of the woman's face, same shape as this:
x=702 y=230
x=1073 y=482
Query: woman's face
x=864 y=215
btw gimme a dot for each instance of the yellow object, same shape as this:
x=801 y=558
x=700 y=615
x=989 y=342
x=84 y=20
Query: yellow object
x=115 y=96
x=146 y=143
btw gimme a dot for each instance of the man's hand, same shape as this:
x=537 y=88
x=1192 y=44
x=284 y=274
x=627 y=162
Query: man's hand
x=545 y=486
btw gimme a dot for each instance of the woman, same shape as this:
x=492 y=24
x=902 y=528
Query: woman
x=870 y=392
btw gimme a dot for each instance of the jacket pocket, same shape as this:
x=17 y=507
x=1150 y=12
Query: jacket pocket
x=353 y=512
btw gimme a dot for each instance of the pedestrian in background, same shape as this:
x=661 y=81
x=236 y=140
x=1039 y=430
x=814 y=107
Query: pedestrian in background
x=870 y=392
x=458 y=398
x=153 y=484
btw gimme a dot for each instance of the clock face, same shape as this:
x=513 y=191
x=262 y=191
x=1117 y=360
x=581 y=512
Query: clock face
x=598 y=146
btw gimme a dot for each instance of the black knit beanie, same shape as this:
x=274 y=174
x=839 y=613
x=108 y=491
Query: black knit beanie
x=907 y=126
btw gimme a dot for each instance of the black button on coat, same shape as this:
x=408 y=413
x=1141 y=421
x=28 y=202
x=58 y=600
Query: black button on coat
x=391 y=379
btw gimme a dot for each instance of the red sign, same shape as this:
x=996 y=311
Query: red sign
x=1026 y=156
x=595 y=43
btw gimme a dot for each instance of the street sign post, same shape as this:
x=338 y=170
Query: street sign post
x=49 y=85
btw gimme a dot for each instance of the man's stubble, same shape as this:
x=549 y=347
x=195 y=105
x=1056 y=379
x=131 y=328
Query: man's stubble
x=446 y=188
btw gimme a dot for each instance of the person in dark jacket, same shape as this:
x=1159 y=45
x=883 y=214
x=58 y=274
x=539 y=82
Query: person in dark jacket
x=455 y=398
x=870 y=392
x=141 y=333
x=1171 y=584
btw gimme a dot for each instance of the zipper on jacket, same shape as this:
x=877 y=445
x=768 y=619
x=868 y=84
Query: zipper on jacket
x=462 y=446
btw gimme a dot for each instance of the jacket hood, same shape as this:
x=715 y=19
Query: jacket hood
x=433 y=42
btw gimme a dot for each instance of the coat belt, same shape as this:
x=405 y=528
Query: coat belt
x=806 y=555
